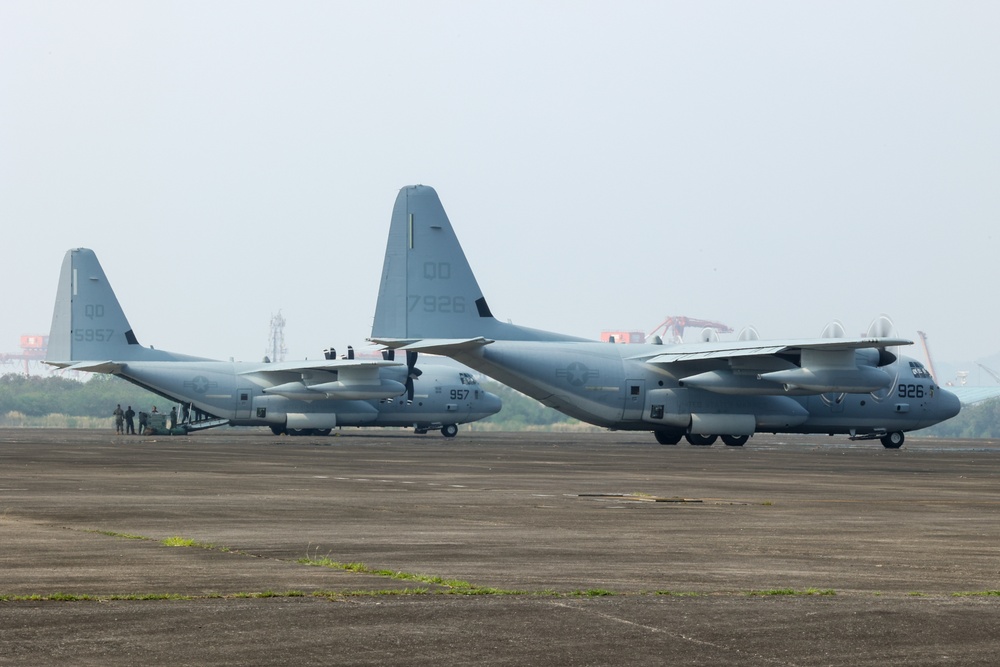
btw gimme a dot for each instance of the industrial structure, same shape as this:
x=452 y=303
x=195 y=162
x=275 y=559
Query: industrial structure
x=276 y=349
x=31 y=356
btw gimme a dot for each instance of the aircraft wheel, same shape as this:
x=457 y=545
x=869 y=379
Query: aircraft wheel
x=277 y=430
x=893 y=440
x=449 y=430
x=735 y=440
x=324 y=431
x=667 y=437
x=700 y=440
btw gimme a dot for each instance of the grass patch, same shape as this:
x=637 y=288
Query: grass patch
x=792 y=591
x=977 y=594
x=178 y=542
x=455 y=586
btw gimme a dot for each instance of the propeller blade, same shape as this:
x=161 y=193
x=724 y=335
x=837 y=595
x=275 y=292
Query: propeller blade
x=881 y=327
x=412 y=373
x=834 y=329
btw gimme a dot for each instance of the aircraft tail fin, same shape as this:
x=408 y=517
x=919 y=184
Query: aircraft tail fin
x=88 y=323
x=428 y=289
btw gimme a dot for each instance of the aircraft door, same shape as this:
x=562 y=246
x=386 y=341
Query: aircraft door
x=244 y=401
x=635 y=400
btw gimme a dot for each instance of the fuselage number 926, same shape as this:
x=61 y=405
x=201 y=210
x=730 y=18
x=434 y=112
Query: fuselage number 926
x=910 y=391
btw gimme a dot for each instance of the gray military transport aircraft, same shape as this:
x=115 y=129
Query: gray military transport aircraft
x=91 y=333
x=429 y=301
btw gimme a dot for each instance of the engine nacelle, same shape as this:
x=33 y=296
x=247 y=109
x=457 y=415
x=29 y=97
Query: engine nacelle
x=357 y=391
x=859 y=380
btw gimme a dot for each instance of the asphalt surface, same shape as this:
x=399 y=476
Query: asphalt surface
x=382 y=547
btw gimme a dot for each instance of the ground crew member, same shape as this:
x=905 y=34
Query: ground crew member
x=129 y=423
x=119 y=418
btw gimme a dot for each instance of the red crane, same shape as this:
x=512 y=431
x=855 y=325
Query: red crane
x=674 y=325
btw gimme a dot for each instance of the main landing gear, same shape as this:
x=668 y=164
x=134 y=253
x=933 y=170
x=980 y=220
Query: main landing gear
x=892 y=440
x=665 y=437
x=448 y=430
x=281 y=430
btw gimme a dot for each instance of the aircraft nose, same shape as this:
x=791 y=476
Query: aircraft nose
x=948 y=405
x=491 y=403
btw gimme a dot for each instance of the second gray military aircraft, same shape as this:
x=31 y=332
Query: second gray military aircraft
x=91 y=333
x=429 y=301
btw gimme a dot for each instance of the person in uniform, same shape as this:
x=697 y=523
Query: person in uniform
x=119 y=415
x=130 y=421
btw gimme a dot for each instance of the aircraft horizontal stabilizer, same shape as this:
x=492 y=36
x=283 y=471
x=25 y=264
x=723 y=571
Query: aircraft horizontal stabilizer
x=89 y=366
x=432 y=345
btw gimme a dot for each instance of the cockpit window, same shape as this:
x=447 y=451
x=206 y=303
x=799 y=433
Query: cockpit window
x=467 y=378
x=918 y=370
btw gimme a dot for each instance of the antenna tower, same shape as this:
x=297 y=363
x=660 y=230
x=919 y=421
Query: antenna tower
x=276 y=340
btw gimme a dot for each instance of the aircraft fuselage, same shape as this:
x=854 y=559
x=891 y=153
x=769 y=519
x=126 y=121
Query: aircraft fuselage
x=599 y=383
x=231 y=391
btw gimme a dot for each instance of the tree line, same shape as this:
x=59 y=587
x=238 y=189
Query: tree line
x=40 y=396
x=96 y=398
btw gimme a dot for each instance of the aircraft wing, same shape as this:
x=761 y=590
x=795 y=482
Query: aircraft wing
x=800 y=366
x=764 y=348
x=339 y=365
x=342 y=379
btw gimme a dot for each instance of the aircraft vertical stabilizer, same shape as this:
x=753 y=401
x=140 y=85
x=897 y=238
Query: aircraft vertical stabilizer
x=428 y=289
x=88 y=323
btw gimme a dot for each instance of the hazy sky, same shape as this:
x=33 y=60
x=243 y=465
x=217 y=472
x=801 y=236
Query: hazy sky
x=776 y=164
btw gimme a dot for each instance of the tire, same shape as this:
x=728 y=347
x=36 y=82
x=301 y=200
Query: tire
x=735 y=440
x=449 y=430
x=893 y=440
x=277 y=430
x=700 y=440
x=667 y=437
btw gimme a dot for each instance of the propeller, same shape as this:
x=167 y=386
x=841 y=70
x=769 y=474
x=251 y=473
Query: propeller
x=834 y=329
x=882 y=327
x=709 y=335
x=389 y=355
x=749 y=333
x=412 y=373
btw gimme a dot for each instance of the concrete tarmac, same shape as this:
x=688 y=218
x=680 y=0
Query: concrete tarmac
x=382 y=547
